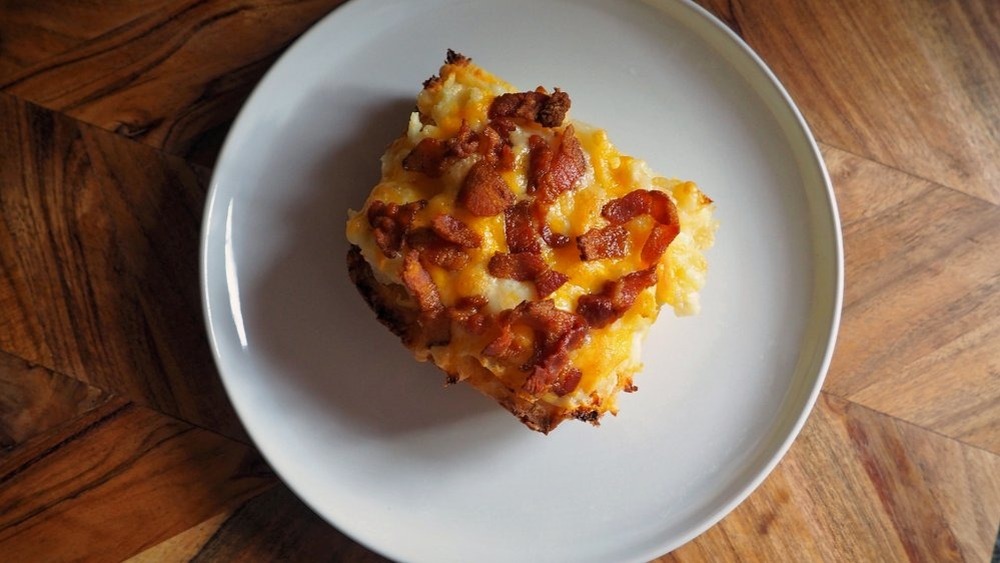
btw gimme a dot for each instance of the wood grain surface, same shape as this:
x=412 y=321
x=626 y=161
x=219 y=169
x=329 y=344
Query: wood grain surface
x=117 y=441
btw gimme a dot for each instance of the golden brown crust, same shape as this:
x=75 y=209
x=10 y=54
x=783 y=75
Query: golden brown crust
x=397 y=311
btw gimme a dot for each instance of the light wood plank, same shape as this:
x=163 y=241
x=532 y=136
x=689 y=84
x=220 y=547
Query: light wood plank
x=913 y=85
x=858 y=485
x=921 y=320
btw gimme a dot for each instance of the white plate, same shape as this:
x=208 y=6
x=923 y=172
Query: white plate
x=369 y=438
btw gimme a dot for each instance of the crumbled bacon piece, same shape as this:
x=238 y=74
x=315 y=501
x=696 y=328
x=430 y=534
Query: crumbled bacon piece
x=520 y=266
x=553 y=171
x=455 y=231
x=656 y=204
x=505 y=345
x=390 y=222
x=538 y=106
x=660 y=237
x=432 y=157
x=472 y=302
x=428 y=158
x=553 y=323
x=435 y=250
x=622 y=209
x=464 y=143
x=447 y=256
x=607 y=242
x=523 y=105
x=539 y=161
x=416 y=279
x=553 y=109
x=504 y=126
x=554 y=240
x=484 y=192
x=557 y=333
x=615 y=298
x=467 y=312
x=521 y=228
x=547 y=282
x=568 y=381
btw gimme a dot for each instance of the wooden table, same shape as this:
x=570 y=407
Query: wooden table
x=118 y=442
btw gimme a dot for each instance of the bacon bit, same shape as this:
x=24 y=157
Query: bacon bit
x=420 y=284
x=504 y=126
x=504 y=346
x=538 y=106
x=447 y=256
x=567 y=382
x=520 y=266
x=505 y=162
x=662 y=208
x=607 y=242
x=632 y=204
x=523 y=105
x=660 y=237
x=554 y=240
x=464 y=143
x=553 y=172
x=521 y=227
x=432 y=157
x=553 y=323
x=654 y=203
x=539 y=161
x=557 y=333
x=615 y=298
x=484 y=192
x=495 y=148
x=435 y=250
x=466 y=312
x=428 y=158
x=390 y=221
x=597 y=308
x=472 y=302
x=547 y=282
x=455 y=231
x=553 y=109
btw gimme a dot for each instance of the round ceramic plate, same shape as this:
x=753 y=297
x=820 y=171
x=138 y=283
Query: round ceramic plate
x=371 y=439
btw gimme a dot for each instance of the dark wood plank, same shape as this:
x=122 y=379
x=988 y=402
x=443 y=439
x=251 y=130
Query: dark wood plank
x=31 y=31
x=913 y=85
x=172 y=77
x=921 y=320
x=99 y=262
x=120 y=479
x=273 y=526
x=858 y=485
x=34 y=400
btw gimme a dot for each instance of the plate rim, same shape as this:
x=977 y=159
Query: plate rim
x=828 y=332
